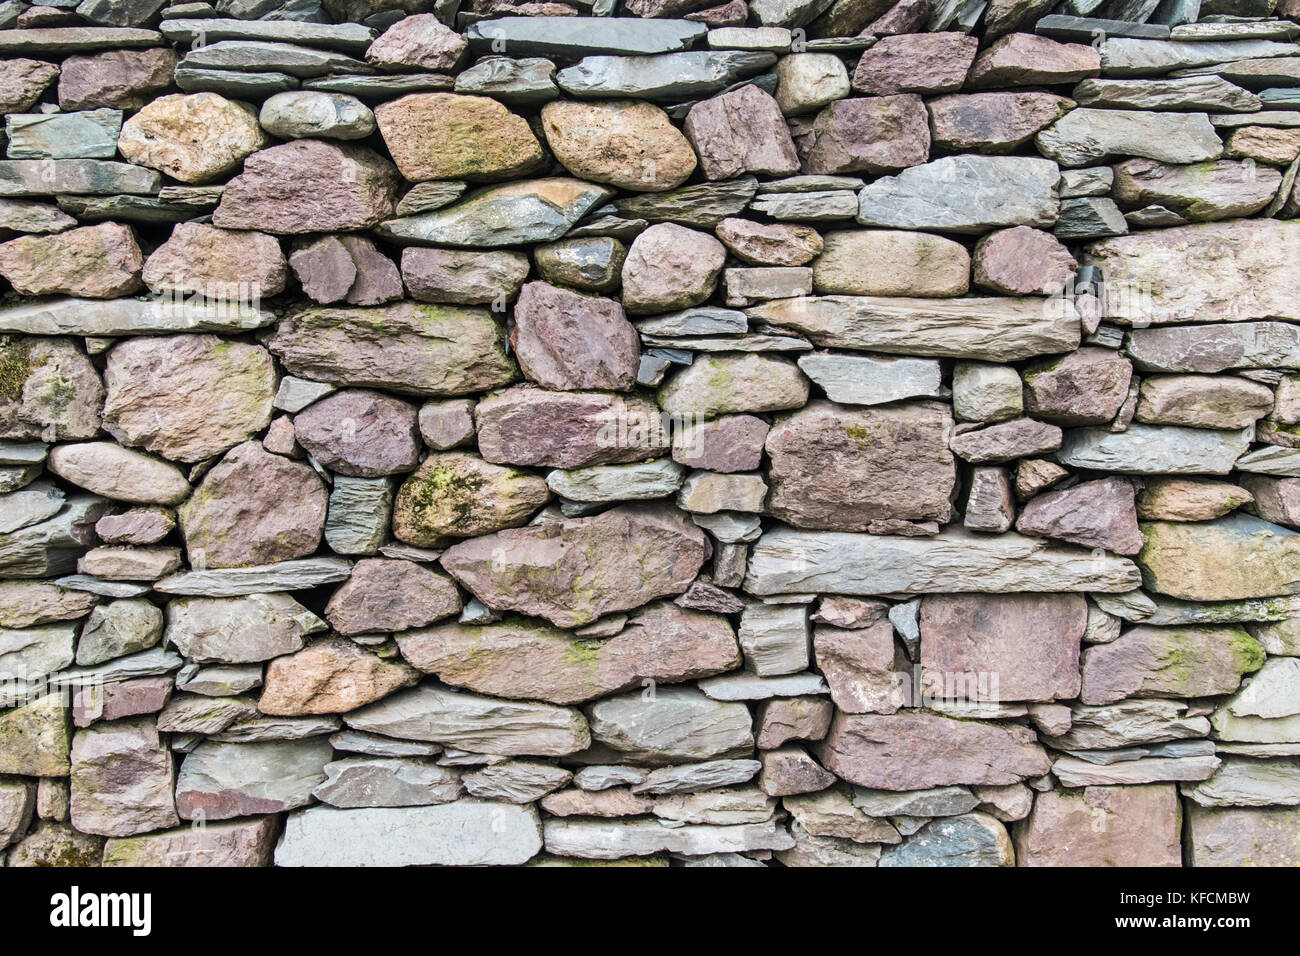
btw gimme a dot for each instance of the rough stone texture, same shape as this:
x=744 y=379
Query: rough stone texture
x=308 y=186
x=233 y=518
x=330 y=676
x=192 y=138
x=914 y=750
x=567 y=340
x=890 y=262
x=450 y=136
x=187 y=397
x=362 y=434
x=741 y=132
x=785 y=433
x=627 y=144
x=519 y=660
x=1021 y=646
x=390 y=595
x=552 y=570
x=1102 y=826
x=873 y=134
x=841 y=469
x=121 y=779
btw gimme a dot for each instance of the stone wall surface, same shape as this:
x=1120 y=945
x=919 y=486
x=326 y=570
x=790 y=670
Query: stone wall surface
x=794 y=433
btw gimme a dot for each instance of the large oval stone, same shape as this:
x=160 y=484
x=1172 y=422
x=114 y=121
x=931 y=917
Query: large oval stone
x=187 y=397
x=625 y=143
x=236 y=517
x=460 y=495
x=192 y=138
x=452 y=136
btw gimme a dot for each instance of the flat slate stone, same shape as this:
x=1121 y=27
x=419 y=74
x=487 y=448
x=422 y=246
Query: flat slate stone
x=464 y=833
x=786 y=561
x=965 y=194
x=57 y=41
x=583 y=36
x=262 y=57
x=1084 y=29
x=130 y=317
x=1154 y=450
x=234 y=582
x=351 y=37
x=51 y=177
x=994 y=329
x=673 y=76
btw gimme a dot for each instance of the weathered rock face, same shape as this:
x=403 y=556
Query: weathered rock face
x=121 y=779
x=624 y=143
x=192 y=138
x=51 y=390
x=448 y=136
x=410 y=348
x=914 y=750
x=1208 y=562
x=187 y=397
x=459 y=495
x=233 y=518
x=567 y=340
x=568 y=572
x=97 y=262
x=520 y=660
x=216 y=263
x=1169 y=662
x=1245 y=272
x=741 y=132
x=363 y=434
x=1102 y=826
x=330 y=676
x=842 y=469
x=308 y=186
x=787 y=433
x=527 y=426
x=1017 y=646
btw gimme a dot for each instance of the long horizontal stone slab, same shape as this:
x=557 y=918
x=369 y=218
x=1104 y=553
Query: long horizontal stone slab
x=1216 y=348
x=995 y=329
x=1122 y=56
x=464 y=833
x=612 y=839
x=84 y=177
x=1209 y=272
x=235 y=582
x=663 y=76
x=1154 y=450
x=785 y=561
x=352 y=37
x=131 y=317
x=582 y=36
x=83 y=39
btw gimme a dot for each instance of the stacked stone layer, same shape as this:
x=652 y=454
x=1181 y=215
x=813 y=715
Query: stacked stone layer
x=802 y=432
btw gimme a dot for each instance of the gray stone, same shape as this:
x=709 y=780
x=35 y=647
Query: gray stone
x=972 y=839
x=611 y=840
x=785 y=561
x=387 y=782
x=359 y=515
x=994 y=329
x=671 y=76
x=234 y=582
x=967 y=194
x=464 y=833
x=540 y=210
x=85 y=135
x=570 y=37
x=1154 y=449
x=676 y=724
x=86 y=177
x=470 y=722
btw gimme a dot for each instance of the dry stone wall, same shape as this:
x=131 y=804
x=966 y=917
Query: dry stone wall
x=810 y=432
